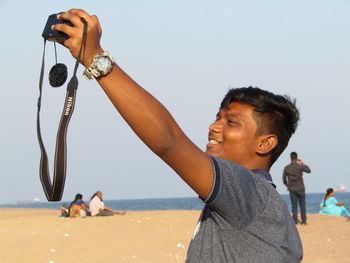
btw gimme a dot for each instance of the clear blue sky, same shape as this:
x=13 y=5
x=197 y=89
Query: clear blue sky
x=187 y=54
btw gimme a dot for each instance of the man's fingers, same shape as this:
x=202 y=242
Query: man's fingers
x=80 y=13
x=64 y=28
x=75 y=33
x=95 y=18
x=75 y=15
x=67 y=43
x=73 y=18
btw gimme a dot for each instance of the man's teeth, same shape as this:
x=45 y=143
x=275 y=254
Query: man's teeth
x=214 y=141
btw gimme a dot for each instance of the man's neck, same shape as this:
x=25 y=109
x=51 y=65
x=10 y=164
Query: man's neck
x=257 y=164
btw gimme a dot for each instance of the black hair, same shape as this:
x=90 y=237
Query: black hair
x=328 y=192
x=77 y=197
x=274 y=114
x=293 y=155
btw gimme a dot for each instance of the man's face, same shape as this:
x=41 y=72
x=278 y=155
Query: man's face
x=233 y=135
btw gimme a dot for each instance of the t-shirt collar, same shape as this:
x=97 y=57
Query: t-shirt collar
x=264 y=173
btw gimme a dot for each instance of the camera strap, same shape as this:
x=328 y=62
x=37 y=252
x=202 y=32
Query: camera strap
x=54 y=190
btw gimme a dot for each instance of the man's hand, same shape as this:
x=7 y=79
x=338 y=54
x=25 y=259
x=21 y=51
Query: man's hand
x=301 y=162
x=75 y=34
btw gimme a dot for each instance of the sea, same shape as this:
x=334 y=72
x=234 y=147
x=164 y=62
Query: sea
x=313 y=201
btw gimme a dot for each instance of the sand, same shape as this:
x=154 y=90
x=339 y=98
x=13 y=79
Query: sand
x=39 y=235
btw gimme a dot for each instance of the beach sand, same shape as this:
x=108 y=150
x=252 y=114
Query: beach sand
x=39 y=235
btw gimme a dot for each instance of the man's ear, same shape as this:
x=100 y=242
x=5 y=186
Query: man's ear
x=267 y=144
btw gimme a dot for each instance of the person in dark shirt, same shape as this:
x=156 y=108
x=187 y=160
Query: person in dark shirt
x=293 y=180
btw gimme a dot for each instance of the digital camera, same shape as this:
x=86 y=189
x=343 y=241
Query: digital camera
x=53 y=35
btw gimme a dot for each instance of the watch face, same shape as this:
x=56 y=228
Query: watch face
x=103 y=64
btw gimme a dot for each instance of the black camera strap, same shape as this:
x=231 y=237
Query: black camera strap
x=54 y=191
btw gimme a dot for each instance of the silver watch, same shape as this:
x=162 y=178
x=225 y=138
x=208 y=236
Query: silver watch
x=101 y=65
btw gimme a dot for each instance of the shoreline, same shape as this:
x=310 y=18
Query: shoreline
x=139 y=236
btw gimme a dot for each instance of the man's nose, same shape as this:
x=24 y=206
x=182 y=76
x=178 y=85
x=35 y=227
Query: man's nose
x=216 y=126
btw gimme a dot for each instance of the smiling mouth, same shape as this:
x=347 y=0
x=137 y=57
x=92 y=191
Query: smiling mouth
x=213 y=141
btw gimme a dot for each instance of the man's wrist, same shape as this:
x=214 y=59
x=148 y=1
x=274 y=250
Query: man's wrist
x=89 y=58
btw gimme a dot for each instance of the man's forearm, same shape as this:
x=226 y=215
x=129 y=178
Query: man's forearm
x=306 y=169
x=145 y=115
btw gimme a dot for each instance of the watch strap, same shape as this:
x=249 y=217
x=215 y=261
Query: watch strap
x=91 y=73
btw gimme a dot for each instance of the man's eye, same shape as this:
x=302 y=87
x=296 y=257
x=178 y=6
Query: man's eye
x=231 y=122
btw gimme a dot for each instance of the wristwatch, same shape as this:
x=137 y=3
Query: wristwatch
x=101 y=65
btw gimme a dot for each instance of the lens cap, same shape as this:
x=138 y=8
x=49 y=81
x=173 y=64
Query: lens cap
x=58 y=75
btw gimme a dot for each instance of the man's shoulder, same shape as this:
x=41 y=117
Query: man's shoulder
x=292 y=166
x=94 y=200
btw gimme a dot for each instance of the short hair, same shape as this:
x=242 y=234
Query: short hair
x=274 y=114
x=293 y=155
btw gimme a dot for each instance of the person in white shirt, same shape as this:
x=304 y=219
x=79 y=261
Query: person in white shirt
x=97 y=207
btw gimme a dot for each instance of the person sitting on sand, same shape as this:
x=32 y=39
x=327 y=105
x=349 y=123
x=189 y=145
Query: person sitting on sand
x=330 y=205
x=97 y=207
x=64 y=210
x=78 y=208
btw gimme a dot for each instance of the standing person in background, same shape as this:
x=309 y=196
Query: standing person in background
x=293 y=180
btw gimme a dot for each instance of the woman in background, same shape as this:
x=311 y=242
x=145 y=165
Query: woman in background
x=330 y=205
x=78 y=208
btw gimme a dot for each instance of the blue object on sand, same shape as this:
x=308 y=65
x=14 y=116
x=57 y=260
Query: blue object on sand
x=329 y=207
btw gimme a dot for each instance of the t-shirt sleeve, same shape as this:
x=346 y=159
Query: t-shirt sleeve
x=234 y=193
x=284 y=177
x=306 y=169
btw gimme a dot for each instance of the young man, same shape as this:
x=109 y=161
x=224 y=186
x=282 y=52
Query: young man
x=293 y=180
x=244 y=218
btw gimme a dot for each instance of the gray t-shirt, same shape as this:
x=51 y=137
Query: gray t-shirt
x=244 y=220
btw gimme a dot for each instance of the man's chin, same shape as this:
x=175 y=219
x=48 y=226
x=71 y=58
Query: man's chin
x=208 y=151
x=212 y=153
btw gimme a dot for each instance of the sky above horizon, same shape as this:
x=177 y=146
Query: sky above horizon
x=187 y=54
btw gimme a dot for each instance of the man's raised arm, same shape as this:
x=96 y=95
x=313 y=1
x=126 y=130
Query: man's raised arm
x=148 y=118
